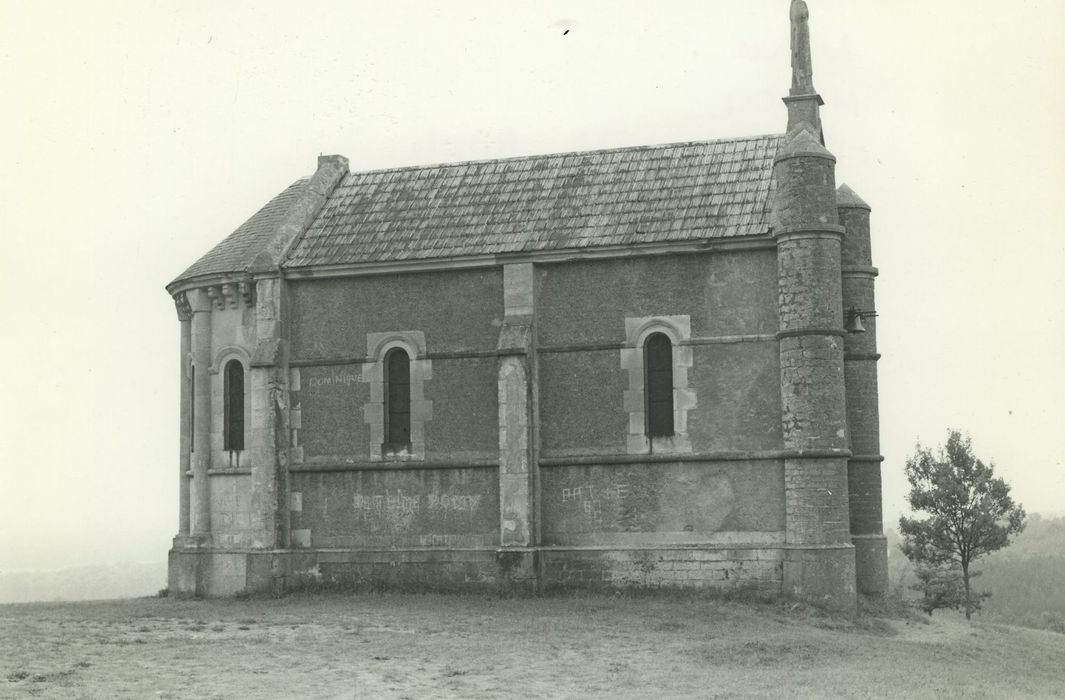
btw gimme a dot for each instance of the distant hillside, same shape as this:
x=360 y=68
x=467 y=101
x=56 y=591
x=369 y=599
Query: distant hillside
x=1042 y=537
x=127 y=580
x=1025 y=579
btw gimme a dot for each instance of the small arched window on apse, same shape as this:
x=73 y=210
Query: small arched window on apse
x=397 y=401
x=658 y=363
x=233 y=406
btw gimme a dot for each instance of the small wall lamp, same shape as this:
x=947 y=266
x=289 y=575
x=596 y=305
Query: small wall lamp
x=854 y=319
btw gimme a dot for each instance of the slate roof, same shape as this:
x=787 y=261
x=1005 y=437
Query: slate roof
x=645 y=194
x=571 y=200
x=237 y=251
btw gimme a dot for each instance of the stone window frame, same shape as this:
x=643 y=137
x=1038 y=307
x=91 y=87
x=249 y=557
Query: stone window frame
x=232 y=458
x=677 y=328
x=421 y=409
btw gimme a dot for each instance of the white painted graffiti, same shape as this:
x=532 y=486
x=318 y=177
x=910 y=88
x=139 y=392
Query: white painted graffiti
x=402 y=504
x=335 y=379
x=590 y=498
x=456 y=502
x=591 y=493
x=390 y=502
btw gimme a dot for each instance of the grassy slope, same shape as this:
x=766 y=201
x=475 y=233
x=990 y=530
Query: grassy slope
x=396 y=646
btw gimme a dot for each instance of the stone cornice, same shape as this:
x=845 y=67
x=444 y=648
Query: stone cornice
x=860 y=271
x=795 y=233
x=583 y=347
x=800 y=332
x=806 y=97
x=217 y=280
x=223 y=291
x=545 y=257
x=336 y=465
x=473 y=262
x=721 y=456
x=861 y=356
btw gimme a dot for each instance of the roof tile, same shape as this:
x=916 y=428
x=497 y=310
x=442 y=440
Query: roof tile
x=673 y=192
x=238 y=250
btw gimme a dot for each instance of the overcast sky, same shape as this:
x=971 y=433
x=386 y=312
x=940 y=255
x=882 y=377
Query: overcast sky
x=137 y=135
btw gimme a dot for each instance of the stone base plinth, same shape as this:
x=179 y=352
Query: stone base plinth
x=871 y=564
x=204 y=572
x=506 y=570
x=183 y=573
x=663 y=567
x=823 y=576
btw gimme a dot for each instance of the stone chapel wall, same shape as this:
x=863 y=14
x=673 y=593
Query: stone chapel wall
x=726 y=485
x=345 y=494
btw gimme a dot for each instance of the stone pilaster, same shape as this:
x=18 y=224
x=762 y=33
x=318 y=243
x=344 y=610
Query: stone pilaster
x=516 y=464
x=200 y=305
x=268 y=426
x=863 y=416
x=184 y=417
x=819 y=560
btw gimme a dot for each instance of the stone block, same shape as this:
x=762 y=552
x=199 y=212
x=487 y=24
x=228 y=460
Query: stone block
x=637 y=423
x=632 y=358
x=515 y=508
x=226 y=573
x=183 y=573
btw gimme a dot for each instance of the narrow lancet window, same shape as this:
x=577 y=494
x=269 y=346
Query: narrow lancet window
x=397 y=401
x=233 y=409
x=658 y=361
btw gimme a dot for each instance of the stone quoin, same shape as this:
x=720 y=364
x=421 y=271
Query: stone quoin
x=616 y=368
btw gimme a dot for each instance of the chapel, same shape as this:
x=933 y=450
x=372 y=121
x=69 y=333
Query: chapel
x=651 y=366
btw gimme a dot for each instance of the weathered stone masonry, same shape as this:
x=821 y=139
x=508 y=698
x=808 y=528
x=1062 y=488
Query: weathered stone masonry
x=863 y=415
x=523 y=292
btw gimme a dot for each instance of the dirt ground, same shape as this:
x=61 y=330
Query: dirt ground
x=430 y=646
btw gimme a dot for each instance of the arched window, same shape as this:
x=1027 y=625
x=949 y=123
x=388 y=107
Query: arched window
x=233 y=390
x=658 y=361
x=192 y=408
x=397 y=401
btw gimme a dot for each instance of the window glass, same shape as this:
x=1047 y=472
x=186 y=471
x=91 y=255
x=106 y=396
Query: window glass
x=397 y=400
x=658 y=360
x=233 y=401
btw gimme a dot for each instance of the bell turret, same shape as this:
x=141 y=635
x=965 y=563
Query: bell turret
x=863 y=416
x=819 y=558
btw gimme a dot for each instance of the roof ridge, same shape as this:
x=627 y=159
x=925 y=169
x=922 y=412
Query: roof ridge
x=555 y=154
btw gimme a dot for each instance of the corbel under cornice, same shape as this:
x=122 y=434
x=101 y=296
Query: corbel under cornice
x=224 y=292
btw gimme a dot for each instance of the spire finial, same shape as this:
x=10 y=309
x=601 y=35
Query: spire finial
x=802 y=72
